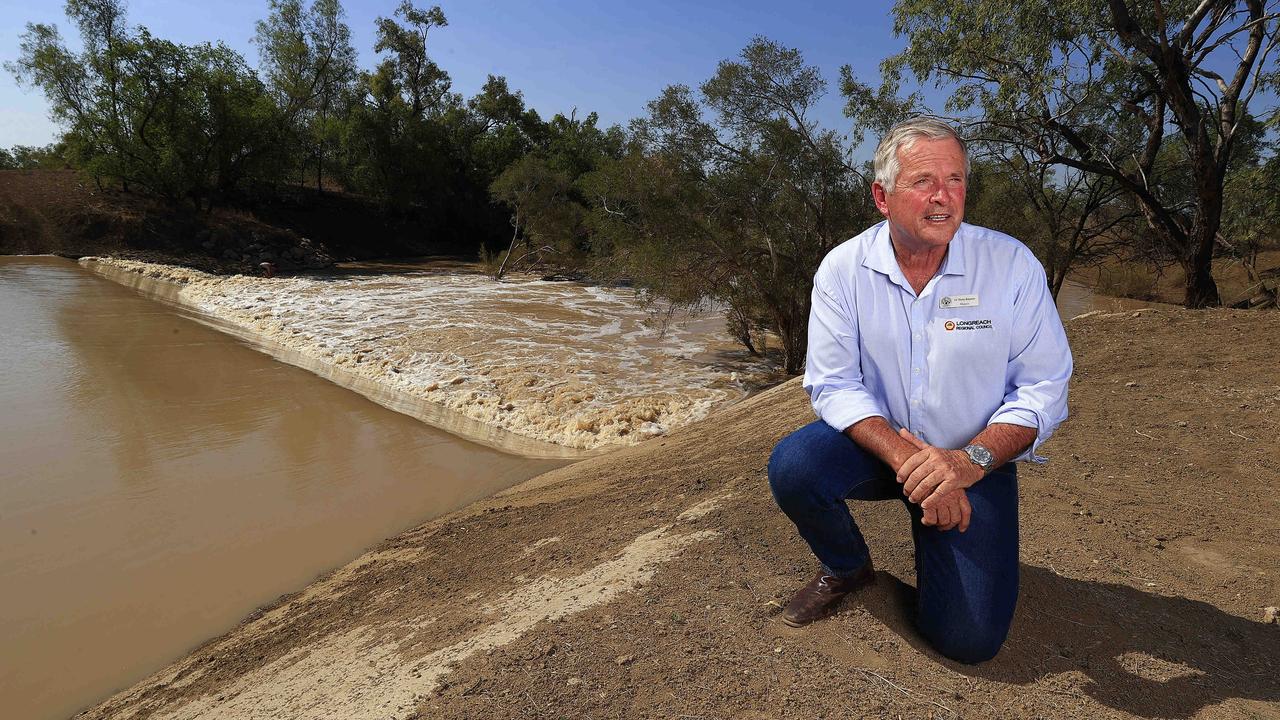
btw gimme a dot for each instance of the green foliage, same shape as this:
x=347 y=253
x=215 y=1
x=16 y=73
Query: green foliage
x=424 y=85
x=1251 y=213
x=1148 y=96
x=184 y=122
x=734 y=196
x=310 y=70
x=26 y=157
x=397 y=143
x=550 y=212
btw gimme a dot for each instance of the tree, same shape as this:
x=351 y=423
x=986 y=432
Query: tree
x=1069 y=218
x=397 y=142
x=738 y=209
x=1141 y=93
x=541 y=213
x=1251 y=213
x=183 y=122
x=310 y=68
x=26 y=157
x=550 y=211
x=424 y=84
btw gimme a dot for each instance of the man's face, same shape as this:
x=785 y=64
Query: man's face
x=927 y=203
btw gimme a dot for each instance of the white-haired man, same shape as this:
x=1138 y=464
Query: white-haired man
x=936 y=358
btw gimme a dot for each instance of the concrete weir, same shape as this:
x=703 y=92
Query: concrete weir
x=172 y=293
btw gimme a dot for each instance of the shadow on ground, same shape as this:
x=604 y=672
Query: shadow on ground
x=1142 y=653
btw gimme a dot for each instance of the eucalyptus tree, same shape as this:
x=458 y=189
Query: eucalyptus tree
x=424 y=84
x=1148 y=94
x=734 y=194
x=83 y=89
x=187 y=123
x=396 y=142
x=550 y=213
x=310 y=68
x=1070 y=219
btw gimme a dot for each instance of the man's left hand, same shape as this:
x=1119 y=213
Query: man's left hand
x=934 y=472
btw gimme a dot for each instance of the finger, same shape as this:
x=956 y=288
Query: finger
x=944 y=516
x=927 y=486
x=930 y=517
x=966 y=511
x=906 y=435
x=911 y=463
x=944 y=488
x=927 y=466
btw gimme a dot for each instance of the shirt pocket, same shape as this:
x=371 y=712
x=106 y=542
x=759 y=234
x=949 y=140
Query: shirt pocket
x=970 y=339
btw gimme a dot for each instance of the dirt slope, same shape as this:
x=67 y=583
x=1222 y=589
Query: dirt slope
x=646 y=583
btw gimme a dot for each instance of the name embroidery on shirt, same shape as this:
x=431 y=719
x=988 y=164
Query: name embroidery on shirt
x=958 y=301
x=967 y=325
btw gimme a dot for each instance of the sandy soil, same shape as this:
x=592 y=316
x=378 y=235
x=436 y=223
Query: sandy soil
x=646 y=583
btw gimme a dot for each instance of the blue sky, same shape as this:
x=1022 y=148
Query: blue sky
x=610 y=57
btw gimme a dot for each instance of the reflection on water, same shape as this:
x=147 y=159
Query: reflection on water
x=159 y=480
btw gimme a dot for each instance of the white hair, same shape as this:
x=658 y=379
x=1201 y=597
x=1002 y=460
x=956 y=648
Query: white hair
x=904 y=135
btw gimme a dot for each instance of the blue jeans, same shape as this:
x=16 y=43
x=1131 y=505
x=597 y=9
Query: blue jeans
x=967 y=582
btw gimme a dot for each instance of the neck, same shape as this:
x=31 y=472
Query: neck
x=918 y=264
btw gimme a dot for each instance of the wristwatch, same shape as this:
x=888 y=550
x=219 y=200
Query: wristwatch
x=981 y=457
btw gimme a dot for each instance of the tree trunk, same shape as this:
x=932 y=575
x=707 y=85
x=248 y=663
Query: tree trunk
x=515 y=233
x=1201 y=290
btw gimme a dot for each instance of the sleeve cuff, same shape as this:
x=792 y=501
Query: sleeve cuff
x=849 y=413
x=1025 y=418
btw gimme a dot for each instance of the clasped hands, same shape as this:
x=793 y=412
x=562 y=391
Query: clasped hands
x=936 y=479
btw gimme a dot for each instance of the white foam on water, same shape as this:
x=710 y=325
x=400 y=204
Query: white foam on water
x=580 y=366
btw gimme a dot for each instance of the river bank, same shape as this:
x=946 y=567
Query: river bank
x=646 y=582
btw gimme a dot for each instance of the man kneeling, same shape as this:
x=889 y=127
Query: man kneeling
x=936 y=359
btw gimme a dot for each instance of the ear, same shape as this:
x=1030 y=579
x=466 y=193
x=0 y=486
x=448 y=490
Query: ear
x=880 y=196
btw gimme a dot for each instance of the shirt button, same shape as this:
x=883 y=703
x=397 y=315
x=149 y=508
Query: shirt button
x=915 y=370
x=918 y=336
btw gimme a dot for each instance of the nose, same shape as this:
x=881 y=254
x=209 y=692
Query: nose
x=942 y=193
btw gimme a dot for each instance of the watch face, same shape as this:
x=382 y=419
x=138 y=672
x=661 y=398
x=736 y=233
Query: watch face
x=980 y=455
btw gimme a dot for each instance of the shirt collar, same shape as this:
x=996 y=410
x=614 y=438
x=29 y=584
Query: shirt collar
x=880 y=255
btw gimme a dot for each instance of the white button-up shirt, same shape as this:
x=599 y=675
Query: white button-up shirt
x=981 y=344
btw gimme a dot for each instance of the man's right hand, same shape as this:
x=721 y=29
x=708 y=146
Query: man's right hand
x=875 y=435
x=951 y=510
x=945 y=510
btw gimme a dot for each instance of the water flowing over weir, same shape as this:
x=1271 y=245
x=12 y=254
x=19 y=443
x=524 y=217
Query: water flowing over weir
x=382 y=393
x=575 y=365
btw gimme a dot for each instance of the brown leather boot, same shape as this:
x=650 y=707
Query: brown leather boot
x=822 y=596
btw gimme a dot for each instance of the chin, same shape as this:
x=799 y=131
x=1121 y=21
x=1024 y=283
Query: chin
x=939 y=236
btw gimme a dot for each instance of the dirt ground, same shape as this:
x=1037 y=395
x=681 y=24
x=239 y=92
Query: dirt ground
x=647 y=583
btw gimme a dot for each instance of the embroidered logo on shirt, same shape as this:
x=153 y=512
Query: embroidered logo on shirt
x=958 y=301
x=967 y=325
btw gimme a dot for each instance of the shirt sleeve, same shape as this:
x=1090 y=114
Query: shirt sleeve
x=833 y=369
x=1039 y=362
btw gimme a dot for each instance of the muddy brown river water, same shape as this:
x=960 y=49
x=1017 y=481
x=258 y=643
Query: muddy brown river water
x=159 y=480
